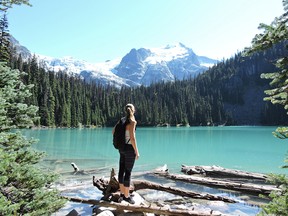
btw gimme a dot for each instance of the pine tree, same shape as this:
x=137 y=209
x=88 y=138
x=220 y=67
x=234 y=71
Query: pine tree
x=4 y=40
x=23 y=186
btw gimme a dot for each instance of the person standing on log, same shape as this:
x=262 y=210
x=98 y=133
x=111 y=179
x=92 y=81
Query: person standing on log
x=128 y=155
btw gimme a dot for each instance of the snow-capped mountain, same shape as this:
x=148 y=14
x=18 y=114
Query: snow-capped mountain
x=150 y=65
x=142 y=66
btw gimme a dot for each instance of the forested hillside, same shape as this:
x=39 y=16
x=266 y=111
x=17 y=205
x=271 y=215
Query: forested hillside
x=242 y=90
x=229 y=93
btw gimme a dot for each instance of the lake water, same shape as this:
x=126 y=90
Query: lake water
x=246 y=148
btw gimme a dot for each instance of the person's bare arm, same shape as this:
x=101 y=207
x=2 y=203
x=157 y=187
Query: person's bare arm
x=132 y=129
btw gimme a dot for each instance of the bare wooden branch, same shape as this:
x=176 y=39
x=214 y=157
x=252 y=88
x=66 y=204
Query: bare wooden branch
x=106 y=186
x=239 y=186
x=221 y=172
x=142 y=208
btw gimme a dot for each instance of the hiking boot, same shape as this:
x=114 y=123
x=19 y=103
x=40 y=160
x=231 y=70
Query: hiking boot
x=121 y=198
x=129 y=200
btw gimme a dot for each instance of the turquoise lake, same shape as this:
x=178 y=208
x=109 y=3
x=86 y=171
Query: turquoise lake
x=248 y=148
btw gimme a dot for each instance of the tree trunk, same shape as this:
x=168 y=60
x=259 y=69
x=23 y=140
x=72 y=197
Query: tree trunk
x=220 y=172
x=107 y=187
x=238 y=186
x=138 y=185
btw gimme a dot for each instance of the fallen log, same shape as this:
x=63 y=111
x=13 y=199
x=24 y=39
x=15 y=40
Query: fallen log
x=238 y=186
x=139 y=184
x=112 y=186
x=142 y=208
x=217 y=171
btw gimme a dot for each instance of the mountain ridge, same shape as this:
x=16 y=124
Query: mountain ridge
x=142 y=66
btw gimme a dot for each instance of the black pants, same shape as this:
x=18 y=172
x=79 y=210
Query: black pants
x=126 y=163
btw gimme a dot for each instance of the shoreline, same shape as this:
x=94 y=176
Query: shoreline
x=84 y=189
x=160 y=125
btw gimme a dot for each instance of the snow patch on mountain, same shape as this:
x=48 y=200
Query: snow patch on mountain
x=107 y=66
x=206 y=62
x=98 y=72
x=168 y=53
x=66 y=63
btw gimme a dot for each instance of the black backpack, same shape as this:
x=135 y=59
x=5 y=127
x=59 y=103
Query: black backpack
x=119 y=134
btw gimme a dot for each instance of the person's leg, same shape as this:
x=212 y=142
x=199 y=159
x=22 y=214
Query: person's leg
x=126 y=191
x=129 y=163
x=121 y=173
x=122 y=189
x=127 y=180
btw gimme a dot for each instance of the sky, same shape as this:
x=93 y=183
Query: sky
x=100 y=30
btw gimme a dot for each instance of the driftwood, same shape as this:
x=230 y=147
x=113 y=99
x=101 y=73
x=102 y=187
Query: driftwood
x=217 y=171
x=238 y=186
x=103 y=185
x=75 y=167
x=107 y=187
x=142 y=208
x=138 y=185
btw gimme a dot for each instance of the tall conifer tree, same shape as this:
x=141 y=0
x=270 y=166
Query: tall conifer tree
x=23 y=186
x=4 y=39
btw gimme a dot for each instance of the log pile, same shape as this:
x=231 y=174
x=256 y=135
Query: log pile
x=223 y=178
x=111 y=195
x=103 y=184
x=249 y=188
